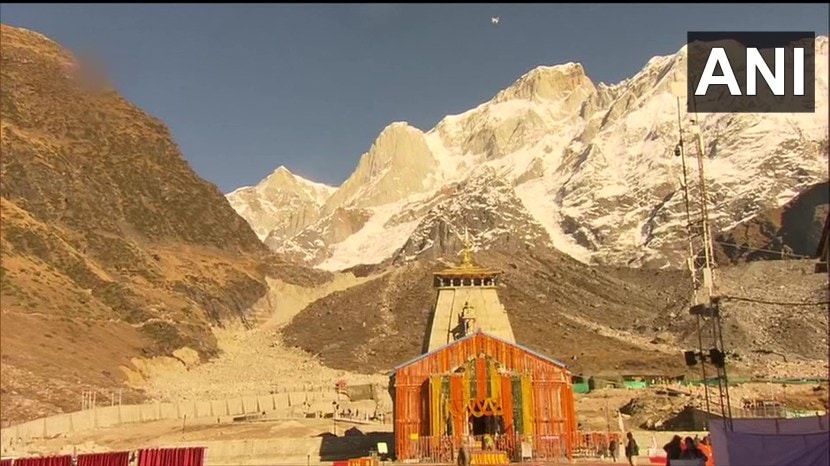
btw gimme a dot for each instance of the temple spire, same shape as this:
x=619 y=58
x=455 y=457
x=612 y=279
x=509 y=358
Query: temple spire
x=465 y=273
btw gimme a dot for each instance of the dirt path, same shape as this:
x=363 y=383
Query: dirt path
x=256 y=361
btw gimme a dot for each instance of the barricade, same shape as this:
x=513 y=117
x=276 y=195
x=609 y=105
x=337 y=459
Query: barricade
x=64 y=460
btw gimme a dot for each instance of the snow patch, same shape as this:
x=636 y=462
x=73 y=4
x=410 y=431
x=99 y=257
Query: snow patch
x=536 y=199
x=373 y=243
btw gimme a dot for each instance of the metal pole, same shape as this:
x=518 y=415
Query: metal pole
x=607 y=419
x=721 y=399
x=709 y=282
x=681 y=146
x=708 y=250
x=703 y=370
x=725 y=378
x=708 y=277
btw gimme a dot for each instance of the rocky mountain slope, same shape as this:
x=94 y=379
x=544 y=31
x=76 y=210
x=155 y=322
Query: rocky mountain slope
x=593 y=164
x=485 y=205
x=555 y=305
x=112 y=247
x=597 y=320
x=773 y=312
x=794 y=228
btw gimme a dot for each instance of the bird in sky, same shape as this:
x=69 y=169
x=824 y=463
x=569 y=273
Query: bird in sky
x=495 y=20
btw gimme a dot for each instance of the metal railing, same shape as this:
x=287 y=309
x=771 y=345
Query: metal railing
x=515 y=447
x=595 y=444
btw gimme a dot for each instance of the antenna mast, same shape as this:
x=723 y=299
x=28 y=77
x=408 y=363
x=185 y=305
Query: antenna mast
x=704 y=302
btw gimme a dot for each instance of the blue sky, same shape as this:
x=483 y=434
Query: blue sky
x=246 y=88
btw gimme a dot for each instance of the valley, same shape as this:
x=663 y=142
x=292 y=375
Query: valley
x=127 y=275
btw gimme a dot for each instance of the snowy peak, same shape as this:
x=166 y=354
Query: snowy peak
x=398 y=164
x=397 y=126
x=553 y=159
x=283 y=180
x=545 y=102
x=281 y=172
x=280 y=205
x=394 y=146
x=821 y=45
x=549 y=83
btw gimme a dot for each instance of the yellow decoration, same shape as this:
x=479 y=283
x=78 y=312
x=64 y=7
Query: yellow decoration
x=436 y=404
x=465 y=390
x=485 y=407
x=527 y=404
x=495 y=381
x=490 y=458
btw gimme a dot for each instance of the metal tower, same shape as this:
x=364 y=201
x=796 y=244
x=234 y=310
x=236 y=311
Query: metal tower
x=701 y=264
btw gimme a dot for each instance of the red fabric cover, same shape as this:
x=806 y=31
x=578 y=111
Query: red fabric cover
x=7 y=462
x=65 y=460
x=118 y=458
x=191 y=456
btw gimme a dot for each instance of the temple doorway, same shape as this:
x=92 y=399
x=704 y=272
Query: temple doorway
x=486 y=425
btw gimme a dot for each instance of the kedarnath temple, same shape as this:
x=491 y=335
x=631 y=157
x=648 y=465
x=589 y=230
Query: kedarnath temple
x=475 y=384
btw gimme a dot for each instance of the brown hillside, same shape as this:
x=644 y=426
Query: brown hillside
x=794 y=228
x=607 y=321
x=556 y=306
x=112 y=247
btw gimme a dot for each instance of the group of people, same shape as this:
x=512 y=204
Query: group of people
x=677 y=449
x=689 y=449
x=352 y=414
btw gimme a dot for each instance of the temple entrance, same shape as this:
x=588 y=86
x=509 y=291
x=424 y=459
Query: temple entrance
x=486 y=425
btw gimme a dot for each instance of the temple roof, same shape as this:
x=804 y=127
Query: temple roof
x=478 y=334
x=467 y=267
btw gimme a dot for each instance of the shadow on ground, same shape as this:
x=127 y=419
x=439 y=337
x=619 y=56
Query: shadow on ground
x=352 y=444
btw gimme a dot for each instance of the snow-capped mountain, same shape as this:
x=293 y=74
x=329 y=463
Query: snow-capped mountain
x=398 y=165
x=484 y=205
x=281 y=205
x=594 y=165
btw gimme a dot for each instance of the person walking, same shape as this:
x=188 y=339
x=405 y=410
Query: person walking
x=464 y=458
x=612 y=449
x=632 y=450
